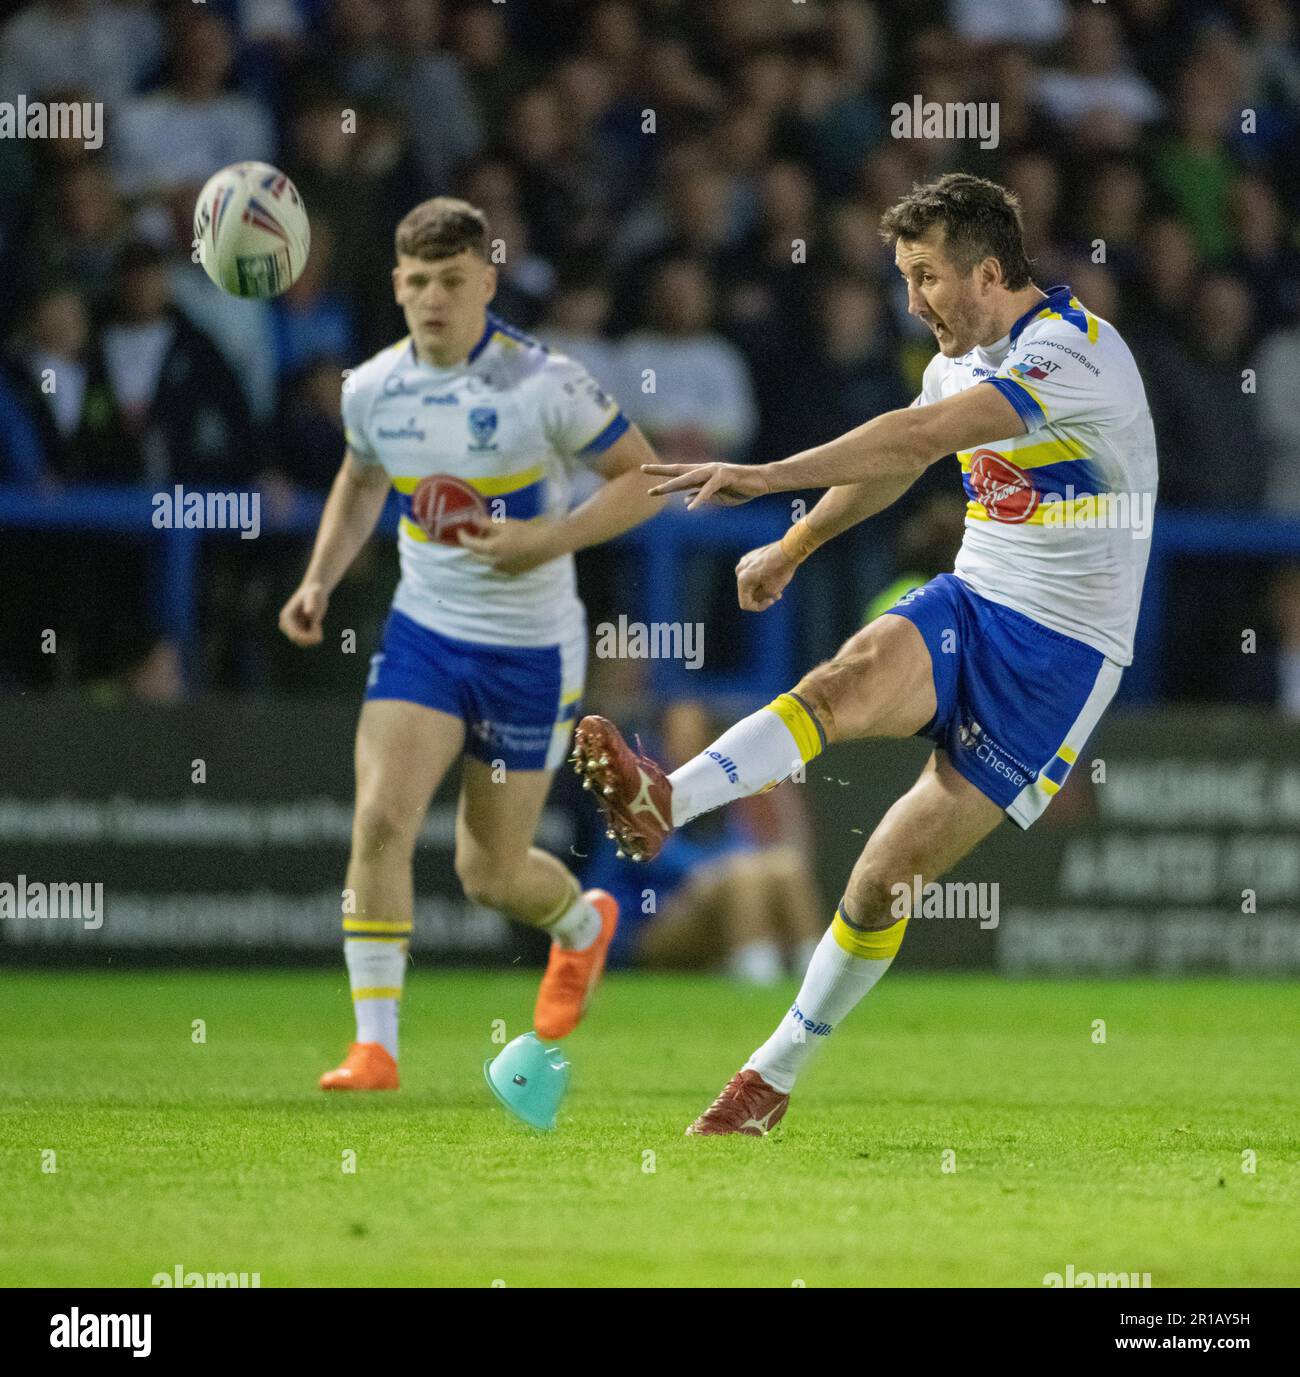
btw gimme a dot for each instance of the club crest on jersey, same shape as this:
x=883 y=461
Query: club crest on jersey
x=483 y=426
x=1007 y=493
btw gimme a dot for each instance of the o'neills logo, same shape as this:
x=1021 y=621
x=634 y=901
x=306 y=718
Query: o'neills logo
x=1006 y=492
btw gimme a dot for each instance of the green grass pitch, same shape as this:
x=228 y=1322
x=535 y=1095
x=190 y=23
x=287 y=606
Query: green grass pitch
x=1122 y=1156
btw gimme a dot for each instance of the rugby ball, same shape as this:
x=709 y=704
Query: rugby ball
x=251 y=232
x=443 y=506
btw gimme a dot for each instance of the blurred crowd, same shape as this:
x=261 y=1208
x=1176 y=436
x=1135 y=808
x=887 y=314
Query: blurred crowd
x=686 y=187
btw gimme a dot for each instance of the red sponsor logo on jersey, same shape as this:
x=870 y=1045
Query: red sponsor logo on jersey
x=1006 y=492
x=443 y=506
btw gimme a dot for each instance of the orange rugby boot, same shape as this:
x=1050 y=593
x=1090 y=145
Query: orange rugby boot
x=367 y=1066
x=572 y=976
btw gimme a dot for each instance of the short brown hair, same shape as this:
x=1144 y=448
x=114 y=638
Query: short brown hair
x=442 y=228
x=980 y=219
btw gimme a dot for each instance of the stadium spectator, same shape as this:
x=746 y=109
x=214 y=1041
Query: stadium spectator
x=1097 y=79
x=311 y=320
x=181 y=404
x=1204 y=413
x=695 y=396
x=178 y=136
x=64 y=386
x=1277 y=366
x=309 y=426
x=106 y=47
x=434 y=95
x=770 y=125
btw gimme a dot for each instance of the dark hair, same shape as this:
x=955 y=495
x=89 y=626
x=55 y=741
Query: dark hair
x=980 y=219
x=442 y=228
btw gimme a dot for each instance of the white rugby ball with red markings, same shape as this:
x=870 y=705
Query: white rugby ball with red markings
x=444 y=506
x=251 y=231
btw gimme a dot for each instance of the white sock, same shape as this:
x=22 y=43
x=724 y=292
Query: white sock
x=577 y=927
x=757 y=963
x=758 y=752
x=376 y=971
x=837 y=978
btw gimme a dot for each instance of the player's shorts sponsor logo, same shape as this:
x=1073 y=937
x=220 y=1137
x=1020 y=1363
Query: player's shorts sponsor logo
x=410 y=431
x=818 y=1030
x=523 y=737
x=447 y=399
x=443 y=506
x=482 y=427
x=1007 y=493
x=728 y=765
x=989 y=753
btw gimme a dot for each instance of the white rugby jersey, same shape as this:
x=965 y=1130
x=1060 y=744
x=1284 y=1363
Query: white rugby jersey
x=1058 y=520
x=514 y=421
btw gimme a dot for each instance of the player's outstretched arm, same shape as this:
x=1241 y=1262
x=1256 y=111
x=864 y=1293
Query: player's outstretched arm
x=351 y=511
x=897 y=445
x=762 y=574
x=621 y=502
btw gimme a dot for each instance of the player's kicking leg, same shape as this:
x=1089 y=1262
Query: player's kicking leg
x=937 y=822
x=1011 y=704
x=879 y=684
x=403 y=750
x=500 y=867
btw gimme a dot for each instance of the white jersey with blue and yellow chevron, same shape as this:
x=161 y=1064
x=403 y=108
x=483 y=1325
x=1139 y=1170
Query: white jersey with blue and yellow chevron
x=513 y=421
x=1058 y=520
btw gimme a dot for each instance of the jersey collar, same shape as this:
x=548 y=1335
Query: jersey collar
x=1056 y=298
x=491 y=326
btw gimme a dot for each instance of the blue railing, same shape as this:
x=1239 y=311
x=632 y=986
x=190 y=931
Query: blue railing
x=766 y=663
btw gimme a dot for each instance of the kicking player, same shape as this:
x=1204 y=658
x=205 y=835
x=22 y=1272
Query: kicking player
x=481 y=430
x=1006 y=664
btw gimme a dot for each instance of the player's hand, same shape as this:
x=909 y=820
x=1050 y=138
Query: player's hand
x=302 y=617
x=726 y=484
x=511 y=547
x=761 y=576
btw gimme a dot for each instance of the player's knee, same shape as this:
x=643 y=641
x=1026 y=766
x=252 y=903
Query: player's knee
x=829 y=689
x=380 y=832
x=484 y=879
